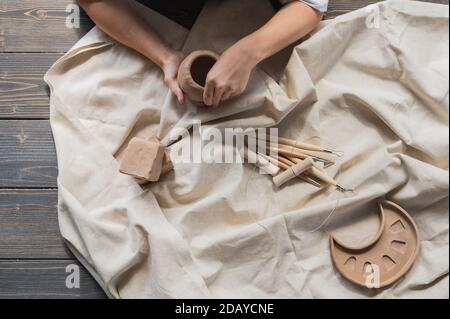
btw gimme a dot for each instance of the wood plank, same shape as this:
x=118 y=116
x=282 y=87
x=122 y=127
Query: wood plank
x=339 y=7
x=23 y=92
x=27 y=155
x=44 y=279
x=29 y=225
x=40 y=25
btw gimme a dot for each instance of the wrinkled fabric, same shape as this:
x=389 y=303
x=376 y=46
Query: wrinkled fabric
x=372 y=83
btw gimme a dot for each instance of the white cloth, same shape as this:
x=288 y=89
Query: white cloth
x=373 y=83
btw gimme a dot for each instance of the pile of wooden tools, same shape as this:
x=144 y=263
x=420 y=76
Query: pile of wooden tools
x=293 y=160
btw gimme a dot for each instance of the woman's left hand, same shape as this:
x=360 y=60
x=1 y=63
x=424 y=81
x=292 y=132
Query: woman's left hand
x=230 y=75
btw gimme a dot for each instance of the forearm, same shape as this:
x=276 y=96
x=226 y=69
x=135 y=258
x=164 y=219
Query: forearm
x=290 y=24
x=120 y=21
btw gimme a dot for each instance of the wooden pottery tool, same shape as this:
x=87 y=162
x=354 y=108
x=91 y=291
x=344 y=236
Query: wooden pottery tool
x=300 y=145
x=259 y=161
x=284 y=160
x=303 y=154
x=384 y=259
x=283 y=165
x=193 y=72
x=318 y=173
x=294 y=171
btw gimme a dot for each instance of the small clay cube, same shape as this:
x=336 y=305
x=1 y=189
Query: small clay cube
x=167 y=163
x=143 y=159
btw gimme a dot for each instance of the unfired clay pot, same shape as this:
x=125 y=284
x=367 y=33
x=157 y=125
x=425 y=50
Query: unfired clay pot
x=193 y=72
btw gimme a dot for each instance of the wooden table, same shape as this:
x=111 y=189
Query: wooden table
x=33 y=257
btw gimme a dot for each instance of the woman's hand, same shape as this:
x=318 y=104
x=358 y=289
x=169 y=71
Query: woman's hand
x=170 y=68
x=230 y=75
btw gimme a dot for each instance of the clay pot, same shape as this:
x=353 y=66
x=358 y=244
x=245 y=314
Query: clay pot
x=193 y=72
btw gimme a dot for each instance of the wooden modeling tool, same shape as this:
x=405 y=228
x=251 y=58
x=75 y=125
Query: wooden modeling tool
x=386 y=258
x=259 y=161
x=276 y=162
x=325 y=157
x=294 y=171
x=318 y=173
x=319 y=156
x=289 y=153
x=300 y=145
x=303 y=154
x=284 y=160
x=287 y=165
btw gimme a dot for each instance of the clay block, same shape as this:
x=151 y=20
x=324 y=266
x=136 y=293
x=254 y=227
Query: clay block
x=167 y=165
x=143 y=159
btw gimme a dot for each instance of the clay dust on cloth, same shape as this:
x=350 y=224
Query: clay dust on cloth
x=372 y=83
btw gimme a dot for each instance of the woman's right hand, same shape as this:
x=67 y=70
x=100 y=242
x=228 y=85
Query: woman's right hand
x=170 y=68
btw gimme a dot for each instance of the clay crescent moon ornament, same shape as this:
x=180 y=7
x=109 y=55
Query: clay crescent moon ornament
x=192 y=74
x=386 y=258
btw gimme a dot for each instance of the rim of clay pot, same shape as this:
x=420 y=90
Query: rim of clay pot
x=194 y=57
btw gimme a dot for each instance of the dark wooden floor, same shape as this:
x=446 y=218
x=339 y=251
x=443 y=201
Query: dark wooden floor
x=33 y=258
